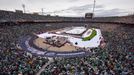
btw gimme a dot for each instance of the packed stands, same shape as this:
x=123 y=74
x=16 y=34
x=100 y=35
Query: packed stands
x=9 y=16
x=115 y=59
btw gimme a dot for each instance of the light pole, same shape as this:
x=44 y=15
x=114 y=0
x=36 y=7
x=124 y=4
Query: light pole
x=94 y=6
x=42 y=11
x=23 y=6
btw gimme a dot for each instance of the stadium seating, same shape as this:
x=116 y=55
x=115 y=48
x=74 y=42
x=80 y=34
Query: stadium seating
x=115 y=59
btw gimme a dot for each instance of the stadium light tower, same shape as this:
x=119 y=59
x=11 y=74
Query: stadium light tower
x=94 y=6
x=23 y=6
x=42 y=11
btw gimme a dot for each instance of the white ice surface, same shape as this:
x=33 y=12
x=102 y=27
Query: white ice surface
x=76 y=30
x=94 y=42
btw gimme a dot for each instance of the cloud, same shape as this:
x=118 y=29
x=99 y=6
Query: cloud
x=111 y=12
x=87 y=7
x=73 y=0
x=71 y=7
x=79 y=11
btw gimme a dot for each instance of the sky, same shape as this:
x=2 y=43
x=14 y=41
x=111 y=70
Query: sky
x=74 y=8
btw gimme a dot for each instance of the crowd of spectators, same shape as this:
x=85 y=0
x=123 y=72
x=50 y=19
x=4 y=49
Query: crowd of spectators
x=13 y=60
x=117 y=58
x=13 y=16
x=118 y=19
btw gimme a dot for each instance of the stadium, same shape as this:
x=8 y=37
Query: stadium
x=40 y=44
